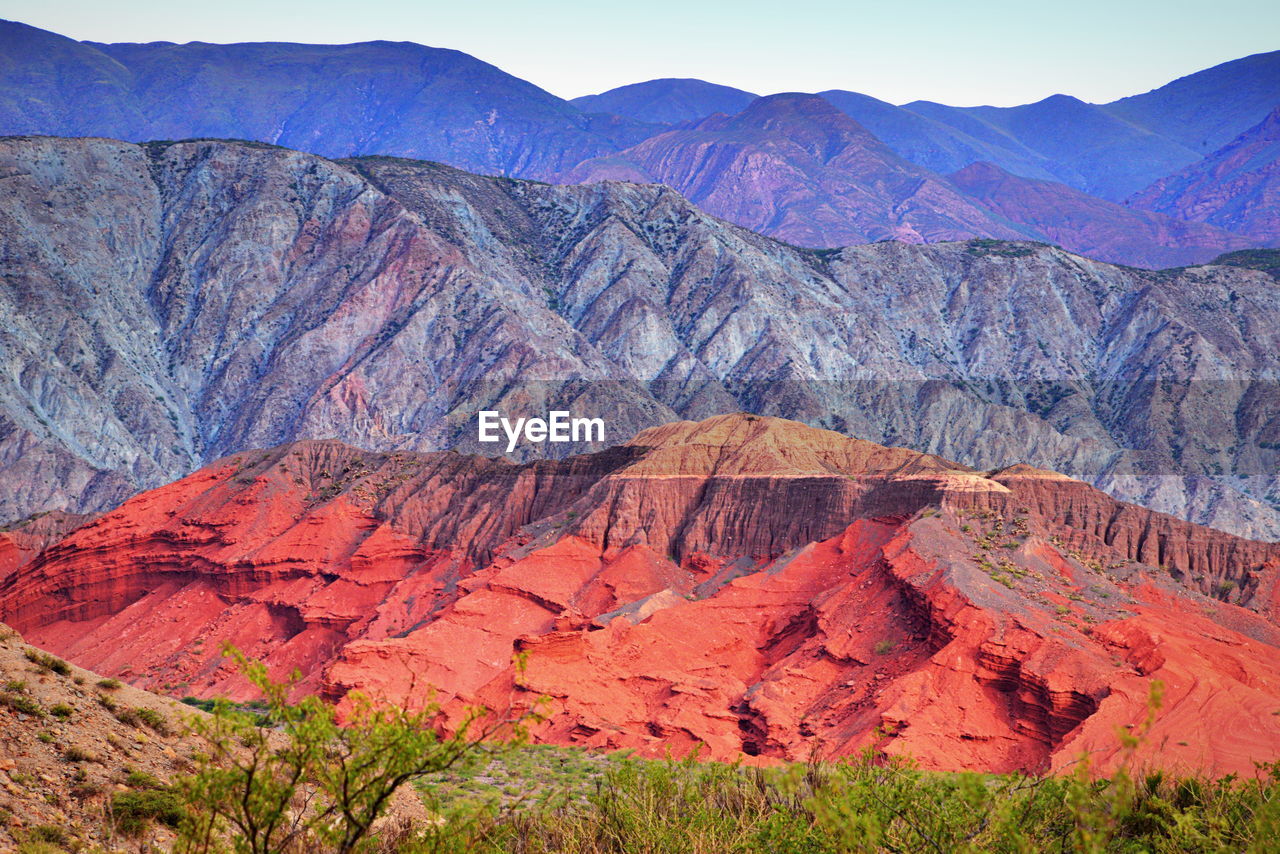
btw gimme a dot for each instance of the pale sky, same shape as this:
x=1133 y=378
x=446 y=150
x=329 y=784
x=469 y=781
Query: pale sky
x=960 y=53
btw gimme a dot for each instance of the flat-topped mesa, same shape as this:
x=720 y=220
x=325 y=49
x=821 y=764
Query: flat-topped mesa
x=744 y=484
x=758 y=445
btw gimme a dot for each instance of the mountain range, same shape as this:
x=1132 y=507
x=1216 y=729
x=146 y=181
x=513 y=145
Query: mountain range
x=867 y=170
x=930 y=432
x=205 y=297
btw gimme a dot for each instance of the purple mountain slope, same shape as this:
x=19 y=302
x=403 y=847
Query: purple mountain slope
x=1237 y=187
x=335 y=100
x=667 y=101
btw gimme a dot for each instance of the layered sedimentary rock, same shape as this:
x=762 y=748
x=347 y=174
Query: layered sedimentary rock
x=207 y=297
x=748 y=584
x=23 y=540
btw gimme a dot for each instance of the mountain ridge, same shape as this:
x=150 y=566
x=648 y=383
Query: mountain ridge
x=403 y=99
x=392 y=299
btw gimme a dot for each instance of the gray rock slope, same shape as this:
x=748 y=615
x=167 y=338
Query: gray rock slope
x=166 y=304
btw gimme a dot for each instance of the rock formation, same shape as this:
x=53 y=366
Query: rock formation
x=753 y=585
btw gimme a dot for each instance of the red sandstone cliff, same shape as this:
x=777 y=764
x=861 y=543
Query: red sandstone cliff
x=746 y=583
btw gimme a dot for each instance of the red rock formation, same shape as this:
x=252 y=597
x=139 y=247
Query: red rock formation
x=748 y=584
x=23 y=541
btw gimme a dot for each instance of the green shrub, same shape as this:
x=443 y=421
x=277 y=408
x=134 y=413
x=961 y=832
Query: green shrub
x=884 y=647
x=78 y=754
x=61 y=710
x=134 y=810
x=21 y=703
x=48 y=833
x=48 y=662
x=249 y=778
x=135 y=779
x=137 y=716
x=35 y=846
x=153 y=719
x=109 y=684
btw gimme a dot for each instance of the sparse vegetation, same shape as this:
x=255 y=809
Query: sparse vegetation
x=109 y=684
x=137 y=716
x=871 y=803
x=22 y=704
x=303 y=783
x=77 y=754
x=1266 y=260
x=47 y=662
x=132 y=811
x=308 y=782
x=984 y=247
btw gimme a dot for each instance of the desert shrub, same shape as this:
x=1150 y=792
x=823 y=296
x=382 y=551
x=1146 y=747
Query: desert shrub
x=61 y=711
x=309 y=782
x=152 y=719
x=109 y=684
x=875 y=803
x=77 y=754
x=47 y=833
x=48 y=662
x=21 y=703
x=884 y=647
x=134 y=810
x=36 y=846
x=136 y=779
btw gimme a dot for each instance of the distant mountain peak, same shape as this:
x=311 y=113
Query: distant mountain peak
x=667 y=100
x=802 y=118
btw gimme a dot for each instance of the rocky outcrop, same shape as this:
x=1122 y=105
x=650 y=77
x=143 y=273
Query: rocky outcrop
x=749 y=584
